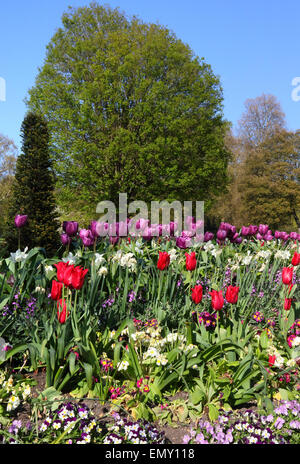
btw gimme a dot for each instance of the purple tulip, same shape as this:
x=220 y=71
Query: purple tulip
x=65 y=239
x=113 y=240
x=285 y=236
x=173 y=227
x=225 y=226
x=208 y=236
x=294 y=235
x=259 y=236
x=189 y=221
x=263 y=229
x=187 y=233
x=123 y=229
x=87 y=237
x=238 y=240
x=142 y=224
x=221 y=234
x=94 y=229
x=245 y=231
x=147 y=233
x=199 y=238
x=277 y=234
x=21 y=220
x=70 y=228
x=268 y=237
x=253 y=230
x=182 y=242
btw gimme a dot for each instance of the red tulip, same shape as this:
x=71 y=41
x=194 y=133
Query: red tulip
x=272 y=360
x=296 y=259
x=56 y=290
x=287 y=275
x=217 y=300
x=62 y=311
x=163 y=260
x=78 y=275
x=68 y=276
x=197 y=293
x=232 y=294
x=287 y=303
x=61 y=267
x=190 y=262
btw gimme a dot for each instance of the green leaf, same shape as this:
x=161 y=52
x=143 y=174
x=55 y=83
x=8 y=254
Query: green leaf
x=213 y=412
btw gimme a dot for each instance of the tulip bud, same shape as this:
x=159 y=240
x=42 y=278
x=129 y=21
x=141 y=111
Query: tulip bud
x=21 y=220
x=217 y=300
x=296 y=259
x=191 y=261
x=197 y=293
x=65 y=239
x=70 y=228
x=287 y=275
x=232 y=294
x=163 y=260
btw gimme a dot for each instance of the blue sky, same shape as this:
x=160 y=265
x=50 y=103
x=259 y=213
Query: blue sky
x=253 y=47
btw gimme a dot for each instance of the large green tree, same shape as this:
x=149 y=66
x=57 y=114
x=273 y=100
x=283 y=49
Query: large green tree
x=270 y=184
x=33 y=189
x=130 y=109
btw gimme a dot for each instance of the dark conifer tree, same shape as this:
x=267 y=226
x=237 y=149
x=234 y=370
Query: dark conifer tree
x=33 y=190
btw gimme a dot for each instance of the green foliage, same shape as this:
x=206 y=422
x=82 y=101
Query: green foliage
x=270 y=182
x=130 y=109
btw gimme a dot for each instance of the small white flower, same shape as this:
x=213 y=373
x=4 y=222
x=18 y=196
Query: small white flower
x=296 y=342
x=99 y=259
x=71 y=258
x=123 y=366
x=39 y=289
x=19 y=256
x=13 y=403
x=103 y=271
x=48 y=269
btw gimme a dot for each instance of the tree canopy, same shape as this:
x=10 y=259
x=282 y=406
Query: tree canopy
x=130 y=109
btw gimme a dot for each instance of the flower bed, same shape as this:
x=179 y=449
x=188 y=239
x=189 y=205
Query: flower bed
x=158 y=332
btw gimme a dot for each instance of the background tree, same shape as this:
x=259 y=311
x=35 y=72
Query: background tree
x=33 y=189
x=261 y=144
x=271 y=182
x=8 y=156
x=263 y=117
x=130 y=109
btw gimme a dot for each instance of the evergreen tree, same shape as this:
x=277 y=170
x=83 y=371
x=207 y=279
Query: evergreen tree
x=33 y=189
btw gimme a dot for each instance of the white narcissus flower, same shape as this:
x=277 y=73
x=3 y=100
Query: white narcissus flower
x=247 y=259
x=48 y=269
x=138 y=247
x=40 y=290
x=103 y=271
x=280 y=254
x=70 y=258
x=123 y=366
x=19 y=256
x=99 y=259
